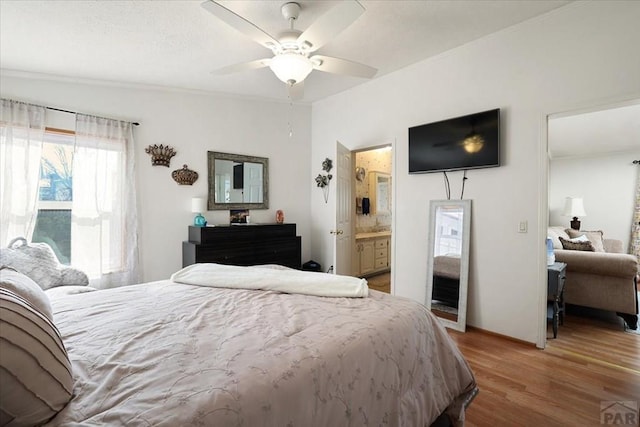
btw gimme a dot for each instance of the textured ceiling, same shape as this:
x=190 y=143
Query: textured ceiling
x=177 y=43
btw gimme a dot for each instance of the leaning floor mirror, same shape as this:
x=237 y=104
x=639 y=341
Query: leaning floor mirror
x=448 y=261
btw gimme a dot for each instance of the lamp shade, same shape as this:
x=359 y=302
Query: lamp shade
x=291 y=67
x=574 y=207
x=198 y=205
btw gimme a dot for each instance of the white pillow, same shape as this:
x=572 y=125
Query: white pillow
x=35 y=371
x=26 y=288
x=555 y=232
x=579 y=239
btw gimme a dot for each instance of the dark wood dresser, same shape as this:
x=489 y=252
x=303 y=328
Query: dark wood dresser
x=243 y=245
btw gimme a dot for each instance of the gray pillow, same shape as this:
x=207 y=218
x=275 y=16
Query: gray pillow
x=595 y=237
x=576 y=245
x=39 y=262
x=26 y=288
x=35 y=371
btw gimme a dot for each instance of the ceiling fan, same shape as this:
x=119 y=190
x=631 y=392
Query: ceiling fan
x=291 y=61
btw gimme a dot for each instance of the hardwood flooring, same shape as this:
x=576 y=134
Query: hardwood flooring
x=380 y=282
x=590 y=362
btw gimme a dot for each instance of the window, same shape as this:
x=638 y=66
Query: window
x=74 y=190
x=55 y=194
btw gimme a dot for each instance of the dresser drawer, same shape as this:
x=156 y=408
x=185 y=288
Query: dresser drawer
x=381 y=263
x=381 y=253
x=381 y=243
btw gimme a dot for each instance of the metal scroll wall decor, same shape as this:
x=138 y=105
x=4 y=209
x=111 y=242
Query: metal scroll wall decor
x=322 y=181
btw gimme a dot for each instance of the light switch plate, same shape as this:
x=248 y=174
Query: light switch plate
x=523 y=227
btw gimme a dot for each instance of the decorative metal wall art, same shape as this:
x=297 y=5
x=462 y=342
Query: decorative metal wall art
x=323 y=181
x=184 y=176
x=160 y=154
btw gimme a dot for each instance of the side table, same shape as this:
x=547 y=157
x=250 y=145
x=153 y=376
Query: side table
x=555 y=294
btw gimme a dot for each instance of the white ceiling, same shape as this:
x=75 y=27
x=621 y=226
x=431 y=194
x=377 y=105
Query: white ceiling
x=178 y=43
x=607 y=130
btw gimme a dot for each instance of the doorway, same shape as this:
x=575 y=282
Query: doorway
x=372 y=216
x=585 y=162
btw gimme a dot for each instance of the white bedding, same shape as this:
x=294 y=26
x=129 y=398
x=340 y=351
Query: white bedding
x=267 y=278
x=168 y=354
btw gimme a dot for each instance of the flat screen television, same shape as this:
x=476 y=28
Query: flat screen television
x=466 y=142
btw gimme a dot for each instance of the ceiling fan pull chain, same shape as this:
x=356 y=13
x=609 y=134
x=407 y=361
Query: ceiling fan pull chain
x=290 y=117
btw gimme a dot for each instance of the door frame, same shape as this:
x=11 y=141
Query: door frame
x=543 y=192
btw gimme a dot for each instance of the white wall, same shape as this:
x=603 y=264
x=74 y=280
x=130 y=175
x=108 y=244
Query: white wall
x=607 y=184
x=576 y=56
x=192 y=123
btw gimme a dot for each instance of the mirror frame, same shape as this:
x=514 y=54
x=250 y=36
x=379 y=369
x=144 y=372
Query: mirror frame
x=461 y=323
x=212 y=156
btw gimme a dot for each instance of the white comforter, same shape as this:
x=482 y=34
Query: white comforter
x=168 y=354
x=270 y=279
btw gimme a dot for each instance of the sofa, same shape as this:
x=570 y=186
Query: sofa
x=599 y=274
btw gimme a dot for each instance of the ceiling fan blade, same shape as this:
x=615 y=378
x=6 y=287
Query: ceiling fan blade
x=331 y=24
x=240 y=24
x=296 y=92
x=330 y=64
x=244 y=66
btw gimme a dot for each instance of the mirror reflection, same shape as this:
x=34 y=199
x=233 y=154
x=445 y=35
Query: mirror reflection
x=448 y=261
x=237 y=182
x=380 y=193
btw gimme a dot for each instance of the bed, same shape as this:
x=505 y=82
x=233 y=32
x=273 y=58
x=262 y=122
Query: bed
x=175 y=354
x=446 y=279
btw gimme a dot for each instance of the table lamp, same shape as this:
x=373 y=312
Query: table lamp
x=199 y=205
x=574 y=207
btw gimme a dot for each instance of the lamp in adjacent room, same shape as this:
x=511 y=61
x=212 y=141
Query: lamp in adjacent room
x=574 y=207
x=199 y=205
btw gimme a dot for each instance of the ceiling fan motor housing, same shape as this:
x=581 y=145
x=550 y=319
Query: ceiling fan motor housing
x=288 y=41
x=290 y=10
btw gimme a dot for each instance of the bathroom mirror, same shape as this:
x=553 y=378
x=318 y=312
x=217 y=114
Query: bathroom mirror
x=448 y=261
x=237 y=181
x=380 y=193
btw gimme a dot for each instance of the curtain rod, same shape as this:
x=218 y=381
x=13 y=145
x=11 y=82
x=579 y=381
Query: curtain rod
x=75 y=112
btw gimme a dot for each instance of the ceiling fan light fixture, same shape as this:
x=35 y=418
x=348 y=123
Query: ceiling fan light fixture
x=291 y=67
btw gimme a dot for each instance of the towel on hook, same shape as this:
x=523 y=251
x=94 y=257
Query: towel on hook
x=359 y=205
x=365 y=206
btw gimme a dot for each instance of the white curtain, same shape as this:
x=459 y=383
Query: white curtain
x=104 y=219
x=22 y=129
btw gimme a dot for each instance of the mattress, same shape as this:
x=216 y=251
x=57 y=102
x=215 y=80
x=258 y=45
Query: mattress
x=169 y=354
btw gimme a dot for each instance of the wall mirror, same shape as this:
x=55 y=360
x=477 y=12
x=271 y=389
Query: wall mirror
x=380 y=193
x=237 y=181
x=448 y=261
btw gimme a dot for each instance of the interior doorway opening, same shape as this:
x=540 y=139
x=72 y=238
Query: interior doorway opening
x=372 y=216
x=577 y=141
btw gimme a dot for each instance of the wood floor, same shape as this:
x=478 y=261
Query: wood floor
x=591 y=361
x=380 y=282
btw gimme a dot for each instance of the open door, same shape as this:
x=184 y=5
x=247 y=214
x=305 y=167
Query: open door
x=344 y=211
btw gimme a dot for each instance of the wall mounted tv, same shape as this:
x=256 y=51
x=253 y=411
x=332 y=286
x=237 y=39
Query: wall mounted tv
x=467 y=142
